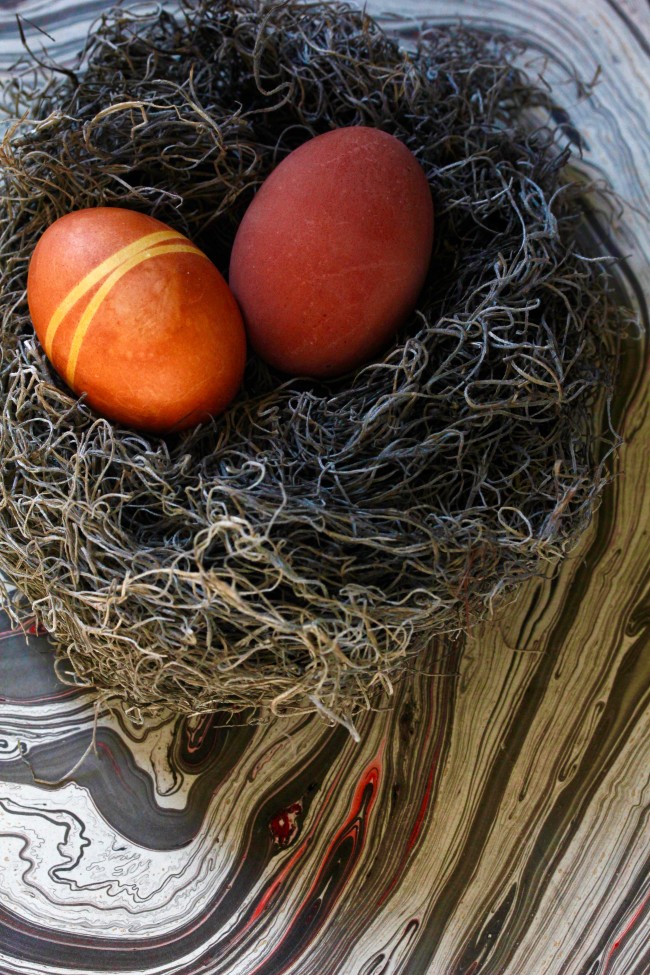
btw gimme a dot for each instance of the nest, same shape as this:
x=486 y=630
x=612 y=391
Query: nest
x=295 y=554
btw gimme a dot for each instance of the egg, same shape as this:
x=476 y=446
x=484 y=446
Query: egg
x=133 y=315
x=332 y=253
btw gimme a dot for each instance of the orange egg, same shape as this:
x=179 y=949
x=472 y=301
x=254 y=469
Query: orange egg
x=135 y=316
x=332 y=253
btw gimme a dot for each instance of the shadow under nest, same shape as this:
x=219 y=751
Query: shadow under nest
x=296 y=553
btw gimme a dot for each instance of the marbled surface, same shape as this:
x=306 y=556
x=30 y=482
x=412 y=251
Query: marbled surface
x=495 y=822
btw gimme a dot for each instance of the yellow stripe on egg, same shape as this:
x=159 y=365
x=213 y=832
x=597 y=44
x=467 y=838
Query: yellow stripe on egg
x=132 y=261
x=95 y=276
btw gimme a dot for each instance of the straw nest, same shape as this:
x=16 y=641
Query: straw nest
x=294 y=554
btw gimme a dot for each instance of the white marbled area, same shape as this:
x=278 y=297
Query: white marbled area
x=25 y=730
x=41 y=18
x=58 y=28
x=66 y=868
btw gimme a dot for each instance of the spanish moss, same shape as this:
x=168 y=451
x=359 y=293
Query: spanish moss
x=299 y=553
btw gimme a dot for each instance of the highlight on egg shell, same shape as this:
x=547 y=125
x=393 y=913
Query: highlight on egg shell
x=332 y=253
x=136 y=317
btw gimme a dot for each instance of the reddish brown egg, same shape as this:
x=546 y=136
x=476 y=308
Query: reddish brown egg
x=332 y=253
x=135 y=316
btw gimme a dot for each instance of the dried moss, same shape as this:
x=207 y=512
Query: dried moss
x=294 y=554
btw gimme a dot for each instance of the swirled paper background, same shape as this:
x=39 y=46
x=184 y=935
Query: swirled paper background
x=495 y=821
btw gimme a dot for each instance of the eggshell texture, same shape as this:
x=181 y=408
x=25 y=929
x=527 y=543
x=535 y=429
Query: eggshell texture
x=133 y=314
x=332 y=253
